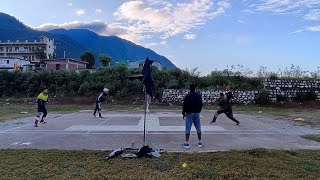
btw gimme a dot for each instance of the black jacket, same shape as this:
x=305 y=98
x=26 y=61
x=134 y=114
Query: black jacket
x=192 y=103
x=101 y=98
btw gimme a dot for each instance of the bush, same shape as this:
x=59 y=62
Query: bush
x=306 y=96
x=281 y=97
x=263 y=97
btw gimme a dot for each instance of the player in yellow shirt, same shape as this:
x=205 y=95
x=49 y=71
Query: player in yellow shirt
x=42 y=99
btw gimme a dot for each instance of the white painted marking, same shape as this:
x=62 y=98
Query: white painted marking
x=92 y=128
x=14 y=128
x=99 y=124
x=14 y=144
x=26 y=143
x=139 y=133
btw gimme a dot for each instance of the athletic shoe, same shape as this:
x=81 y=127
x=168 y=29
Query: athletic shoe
x=212 y=122
x=35 y=125
x=94 y=115
x=238 y=124
x=200 y=144
x=43 y=122
x=185 y=145
x=100 y=117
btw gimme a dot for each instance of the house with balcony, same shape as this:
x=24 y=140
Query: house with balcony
x=28 y=50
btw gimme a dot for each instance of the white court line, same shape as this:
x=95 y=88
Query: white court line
x=14 y=128
x=140 y=133
x=98 y=125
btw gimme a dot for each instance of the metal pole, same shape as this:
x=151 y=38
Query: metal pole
x=145 y=116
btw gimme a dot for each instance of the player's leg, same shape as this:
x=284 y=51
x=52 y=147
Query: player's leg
x=99 y=109
x=96 y=108
x=45 y=113
x=229 y=114
x=197 y=124
x=37 y=119
x=214 y=119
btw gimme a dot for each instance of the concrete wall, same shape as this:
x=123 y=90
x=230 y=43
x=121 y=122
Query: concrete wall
x=209 y=96
x=289 y=88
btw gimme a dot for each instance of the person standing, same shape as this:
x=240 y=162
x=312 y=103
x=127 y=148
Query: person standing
x=100 y=99
x=192 y=106
x=225 y=107
x=41 y=101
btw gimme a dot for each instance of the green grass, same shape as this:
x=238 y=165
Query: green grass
x=254 y=110
x=312 y=137
x=252 y=164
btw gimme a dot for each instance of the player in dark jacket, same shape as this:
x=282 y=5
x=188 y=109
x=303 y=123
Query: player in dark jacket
x=100 y=99
x=192 y=106
x=225 y=107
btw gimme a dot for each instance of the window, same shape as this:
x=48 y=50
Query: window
x=16 y=49
x=57 y=66
x=7 y=61
x=49 y=46
x=1 y=49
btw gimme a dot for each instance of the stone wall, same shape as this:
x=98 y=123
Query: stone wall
x=289 y=88
x=209 y=96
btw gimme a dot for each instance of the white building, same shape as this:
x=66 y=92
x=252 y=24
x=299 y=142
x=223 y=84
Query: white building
x=8 y=63
x=139 y=64
x=28 y=50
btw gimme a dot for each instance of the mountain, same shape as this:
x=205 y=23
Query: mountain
x=76 y=41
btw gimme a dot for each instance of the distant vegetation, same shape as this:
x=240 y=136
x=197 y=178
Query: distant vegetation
x=72 y=84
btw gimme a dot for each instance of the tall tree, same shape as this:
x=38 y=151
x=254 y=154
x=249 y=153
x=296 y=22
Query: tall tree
x=88 y=57
x=40 y=54
x=105 y=60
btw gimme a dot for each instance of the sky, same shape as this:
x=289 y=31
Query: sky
x=203 y=34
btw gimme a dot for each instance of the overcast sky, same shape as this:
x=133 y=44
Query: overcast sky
x=208 y=34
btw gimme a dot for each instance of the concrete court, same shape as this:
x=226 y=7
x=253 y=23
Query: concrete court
x=165 y=130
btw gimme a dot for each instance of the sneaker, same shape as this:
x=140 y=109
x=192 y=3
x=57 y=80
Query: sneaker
x=200 y=144
x=94 y=115
x=43 y=122
x=238 y=124
x=35 y=125
x=212 y=122
x=100 y=117
x=186 y=146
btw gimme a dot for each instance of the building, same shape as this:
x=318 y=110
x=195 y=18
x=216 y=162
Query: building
x=28 y=50
x=64 y=64
x=9 y=63
x=139 y=64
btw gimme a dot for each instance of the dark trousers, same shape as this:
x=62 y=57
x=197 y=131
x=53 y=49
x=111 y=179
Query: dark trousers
x=228 y=113
x=98 y=108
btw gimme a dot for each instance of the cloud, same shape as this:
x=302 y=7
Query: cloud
x=80 y=12
x=164 y=19
x=69 y=4
x=313 y=28
x=242 y=20
x=190 y=36
x=96 y=26
x=282 y=6
x=313 y=15
x=308 y=28
x=152 y=20
x=156 y=44
x=98 y=11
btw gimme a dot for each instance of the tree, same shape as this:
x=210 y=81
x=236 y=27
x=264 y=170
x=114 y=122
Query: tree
x=105 y=60
x=88 y=57
x=40 y=54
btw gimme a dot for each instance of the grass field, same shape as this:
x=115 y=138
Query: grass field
x=251 y=164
